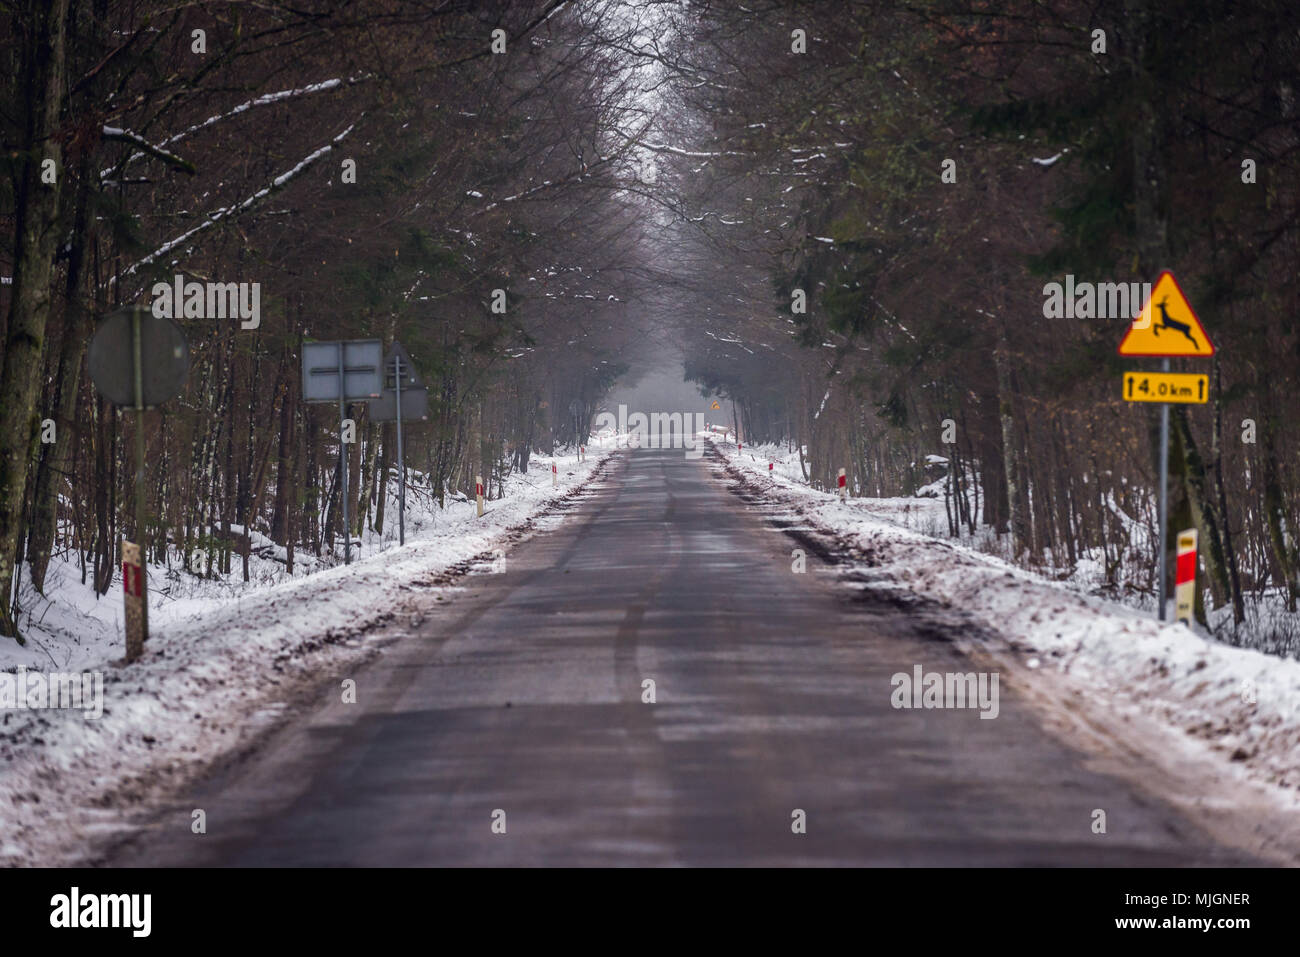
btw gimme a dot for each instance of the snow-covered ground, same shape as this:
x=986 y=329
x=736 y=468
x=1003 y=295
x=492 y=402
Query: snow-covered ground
x=1124 y=572
x=225 y=657
x=1231 y=713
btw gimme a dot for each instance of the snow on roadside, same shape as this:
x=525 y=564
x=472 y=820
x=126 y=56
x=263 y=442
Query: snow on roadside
x=216 y=672
x=1235 y=706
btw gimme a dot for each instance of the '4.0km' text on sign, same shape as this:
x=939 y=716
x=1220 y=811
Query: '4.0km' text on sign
x=1183 y=387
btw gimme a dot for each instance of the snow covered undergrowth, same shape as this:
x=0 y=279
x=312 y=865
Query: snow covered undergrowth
x=1236 y=708
x=220 y=662
x=1124 y=571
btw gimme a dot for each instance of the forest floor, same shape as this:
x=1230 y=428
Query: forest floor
x=1220 y=724
x=225 y=658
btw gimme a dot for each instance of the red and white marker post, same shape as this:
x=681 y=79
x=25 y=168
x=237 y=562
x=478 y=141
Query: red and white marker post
x=582 y=453
x=134 y=599
x=844 y=486
x=555 y=476
x=478 y=493
x=1185 y=578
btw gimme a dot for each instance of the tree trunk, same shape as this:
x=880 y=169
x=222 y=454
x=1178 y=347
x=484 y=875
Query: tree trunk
x=53 y=466
x=36 y=209
x=1273 y=510
x=364 y=479
x=285 y=485
x=104 y=484
x=1234 y=579
x=1010 y=467
x=382 y=480
x=1202 y=510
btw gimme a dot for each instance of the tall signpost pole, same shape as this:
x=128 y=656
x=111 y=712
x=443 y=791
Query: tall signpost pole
x=142 y=578
x=401 y=458
x=1162 y=533
x=1184 y=337
x=343 y=462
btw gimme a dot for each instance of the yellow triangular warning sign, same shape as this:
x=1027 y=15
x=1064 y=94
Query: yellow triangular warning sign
x=715 y=405
x=1166 y=326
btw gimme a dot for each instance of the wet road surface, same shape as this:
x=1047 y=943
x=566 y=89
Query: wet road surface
x=518 y=705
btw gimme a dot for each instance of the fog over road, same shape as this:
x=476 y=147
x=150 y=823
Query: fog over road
x=523 y=693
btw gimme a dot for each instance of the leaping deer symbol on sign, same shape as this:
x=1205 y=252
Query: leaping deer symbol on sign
x=1173 y=324
x=1185 y=335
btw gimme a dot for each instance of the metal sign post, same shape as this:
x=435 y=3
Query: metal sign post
x=404 y=397
x=137 y=351
x=1185 y=337
x=343 y=467
x=401 y=458
x=137 y=360
x=342 y=371
x=1164 y=499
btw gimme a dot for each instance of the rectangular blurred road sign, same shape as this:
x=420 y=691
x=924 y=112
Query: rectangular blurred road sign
x=1181 y=387
x=362 y=361
x=415 y=405
x=397 y=357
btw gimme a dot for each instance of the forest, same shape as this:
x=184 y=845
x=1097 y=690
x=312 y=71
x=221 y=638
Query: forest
x=901 y=202
x=379 y=171
x=843 y=217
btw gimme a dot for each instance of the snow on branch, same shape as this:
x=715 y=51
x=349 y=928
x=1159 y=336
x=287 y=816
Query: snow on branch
x=677 y=151
x=545 y=184
x=234 y=209
x=126 y=136
x=266 y=99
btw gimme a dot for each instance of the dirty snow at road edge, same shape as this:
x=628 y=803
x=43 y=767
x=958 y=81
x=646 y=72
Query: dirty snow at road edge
x=1234 y=713
x=217 y=673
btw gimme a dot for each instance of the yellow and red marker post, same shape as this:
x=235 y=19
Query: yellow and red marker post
x=1185 y=578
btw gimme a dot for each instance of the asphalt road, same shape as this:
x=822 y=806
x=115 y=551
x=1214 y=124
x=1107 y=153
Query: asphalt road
x=523 y=694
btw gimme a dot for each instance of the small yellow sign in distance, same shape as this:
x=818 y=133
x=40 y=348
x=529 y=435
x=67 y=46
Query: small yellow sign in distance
x=1185 y=387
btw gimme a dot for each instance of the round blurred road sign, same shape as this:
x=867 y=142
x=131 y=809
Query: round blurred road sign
x=164 y=357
